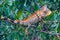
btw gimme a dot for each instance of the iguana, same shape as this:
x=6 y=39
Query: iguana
x=33 y=18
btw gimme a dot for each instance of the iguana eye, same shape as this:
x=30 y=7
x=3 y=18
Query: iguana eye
x=45 y=12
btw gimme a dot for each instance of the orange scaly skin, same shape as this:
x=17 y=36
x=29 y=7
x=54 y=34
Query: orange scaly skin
x=33 y=18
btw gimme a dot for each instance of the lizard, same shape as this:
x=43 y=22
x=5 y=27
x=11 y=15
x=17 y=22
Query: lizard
x=33 y=18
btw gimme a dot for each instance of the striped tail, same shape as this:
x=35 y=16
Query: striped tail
x=10 y=20
x=7 y=19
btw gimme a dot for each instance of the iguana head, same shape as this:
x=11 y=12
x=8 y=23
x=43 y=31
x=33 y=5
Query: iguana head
x=45 y=11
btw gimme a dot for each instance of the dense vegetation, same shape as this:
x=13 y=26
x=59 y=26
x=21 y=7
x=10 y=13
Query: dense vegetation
x=20 y=9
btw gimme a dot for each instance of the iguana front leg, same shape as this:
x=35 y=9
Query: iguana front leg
x=26 y=30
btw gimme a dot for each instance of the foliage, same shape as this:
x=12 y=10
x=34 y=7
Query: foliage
x=20 y=9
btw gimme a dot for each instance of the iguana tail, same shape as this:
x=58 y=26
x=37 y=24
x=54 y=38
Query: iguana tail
x=7 y=19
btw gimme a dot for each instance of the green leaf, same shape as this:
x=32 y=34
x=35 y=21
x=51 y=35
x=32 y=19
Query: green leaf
x=19 y=14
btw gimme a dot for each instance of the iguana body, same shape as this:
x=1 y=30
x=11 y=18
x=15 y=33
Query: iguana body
x=35 y=17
